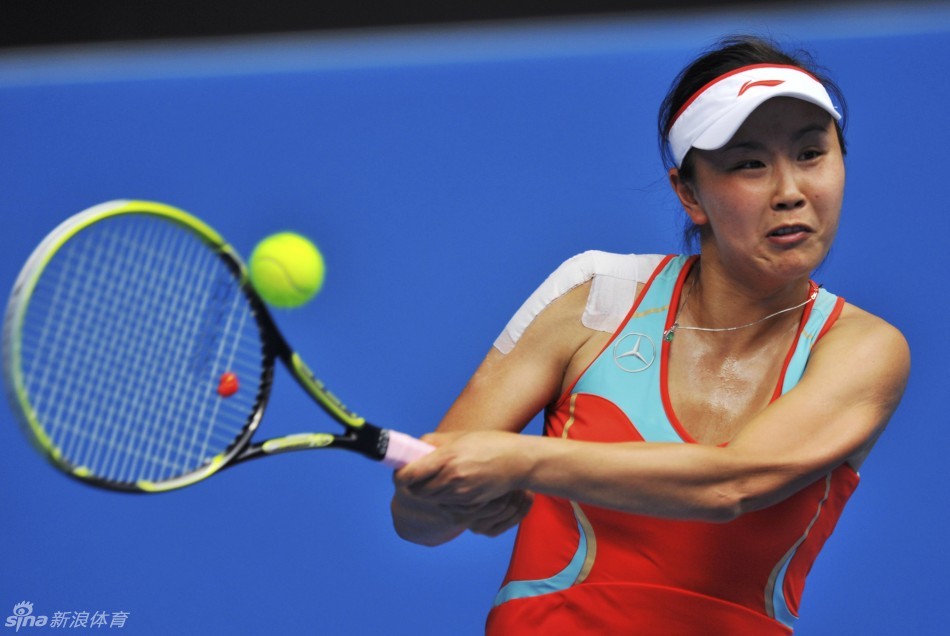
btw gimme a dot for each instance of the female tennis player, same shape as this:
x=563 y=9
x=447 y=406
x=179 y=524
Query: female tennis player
x=706 y=415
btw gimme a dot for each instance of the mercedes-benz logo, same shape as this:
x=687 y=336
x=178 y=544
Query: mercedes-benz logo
x=635 y=352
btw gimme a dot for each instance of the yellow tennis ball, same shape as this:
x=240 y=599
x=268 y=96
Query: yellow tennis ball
x=287 y=270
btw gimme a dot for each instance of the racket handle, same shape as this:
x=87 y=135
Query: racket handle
x=403 y=449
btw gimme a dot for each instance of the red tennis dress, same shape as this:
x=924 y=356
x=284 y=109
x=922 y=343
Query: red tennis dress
x=580 y=569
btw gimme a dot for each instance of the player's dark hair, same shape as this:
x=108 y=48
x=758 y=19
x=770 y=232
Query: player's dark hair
x=728 y=54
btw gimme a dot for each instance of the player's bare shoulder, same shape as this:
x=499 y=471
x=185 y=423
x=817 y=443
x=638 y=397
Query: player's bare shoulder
x=867 y=344
x=856 y=323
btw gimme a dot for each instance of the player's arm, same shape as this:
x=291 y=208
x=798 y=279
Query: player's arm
x=503 y=395
x=854 y=380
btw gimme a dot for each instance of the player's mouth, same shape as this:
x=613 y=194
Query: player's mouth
x=789 y=234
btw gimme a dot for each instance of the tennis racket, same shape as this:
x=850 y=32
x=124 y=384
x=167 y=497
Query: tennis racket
x=138 y=357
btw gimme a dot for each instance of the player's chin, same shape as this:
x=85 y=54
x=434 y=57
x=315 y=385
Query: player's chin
x=794 y=260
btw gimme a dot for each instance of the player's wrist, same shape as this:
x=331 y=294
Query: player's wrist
x=550 y=465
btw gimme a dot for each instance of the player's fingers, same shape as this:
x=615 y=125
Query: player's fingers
x=436 y=476
x=419 y=476
x=468 y=514
x=511 y=505
x=427 y=477
x=504 y=518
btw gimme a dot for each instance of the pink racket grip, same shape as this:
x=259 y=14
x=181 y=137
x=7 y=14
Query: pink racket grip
x=403 y=449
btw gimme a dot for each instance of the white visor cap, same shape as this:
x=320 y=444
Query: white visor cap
x=716 y=111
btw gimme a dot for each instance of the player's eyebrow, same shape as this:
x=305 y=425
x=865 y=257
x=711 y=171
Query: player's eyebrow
x=810 y=128
x=752 y=144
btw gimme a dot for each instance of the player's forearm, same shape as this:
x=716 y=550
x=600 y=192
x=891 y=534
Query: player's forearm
x=682 y=481
x=679 y=481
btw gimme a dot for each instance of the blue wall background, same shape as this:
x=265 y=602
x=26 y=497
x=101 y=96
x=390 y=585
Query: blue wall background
x=444 y=173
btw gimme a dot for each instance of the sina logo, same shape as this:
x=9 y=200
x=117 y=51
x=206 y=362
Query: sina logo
x=23 y=617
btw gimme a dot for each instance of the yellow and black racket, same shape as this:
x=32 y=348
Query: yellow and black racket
x=138 y=357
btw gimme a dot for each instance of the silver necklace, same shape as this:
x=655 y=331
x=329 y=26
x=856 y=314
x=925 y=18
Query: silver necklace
x=668 y=334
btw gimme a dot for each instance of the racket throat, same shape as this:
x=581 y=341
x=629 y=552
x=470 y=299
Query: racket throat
x=368 y=440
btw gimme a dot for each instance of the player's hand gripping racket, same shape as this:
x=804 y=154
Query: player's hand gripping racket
x=138 y=357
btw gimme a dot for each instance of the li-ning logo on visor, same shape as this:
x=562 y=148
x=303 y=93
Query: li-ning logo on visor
x=754 y=83
x=635 y=352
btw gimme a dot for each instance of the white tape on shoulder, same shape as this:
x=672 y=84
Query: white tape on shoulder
x=615 y=278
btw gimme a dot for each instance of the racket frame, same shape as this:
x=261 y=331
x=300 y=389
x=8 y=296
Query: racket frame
x=360 y=436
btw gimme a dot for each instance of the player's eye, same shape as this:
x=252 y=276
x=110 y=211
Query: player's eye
x=748 y=164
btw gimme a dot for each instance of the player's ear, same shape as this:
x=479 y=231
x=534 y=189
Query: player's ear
x=686 y=193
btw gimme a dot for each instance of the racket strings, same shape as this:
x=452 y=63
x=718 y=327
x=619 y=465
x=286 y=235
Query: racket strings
x=118 y=317
x=119 y=405
x=128 y=332
x=157 y=445
x=94 y=333
x=93 y=345
x=167 y=445
x=226 y=356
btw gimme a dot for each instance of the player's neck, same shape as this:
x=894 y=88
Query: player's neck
x=724 y=308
